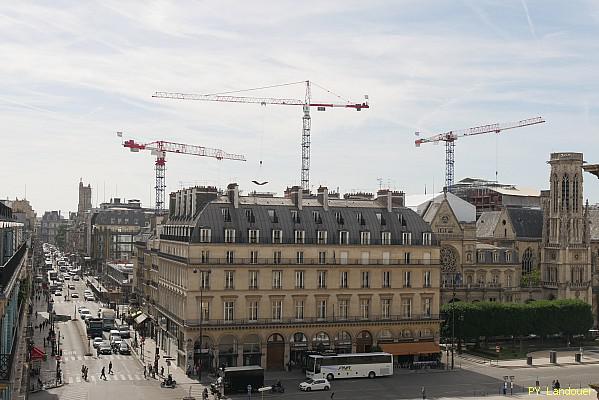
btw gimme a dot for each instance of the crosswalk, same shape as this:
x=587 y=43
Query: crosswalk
x=69 y=358
x=109 y=377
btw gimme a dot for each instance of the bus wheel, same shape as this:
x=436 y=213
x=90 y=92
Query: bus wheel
x=371 y=374
x=330 y=377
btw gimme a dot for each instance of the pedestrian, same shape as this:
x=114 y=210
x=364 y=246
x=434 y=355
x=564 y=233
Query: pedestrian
x=85 y=374
x=557 y=385
x=161 y=371
x=205 y=394
x=44 y=343
x=110 y=368
x=553 y=384
x=82 y=370
x=332 y=395
x=103 y=373
x=423 y=391
x=145 y=373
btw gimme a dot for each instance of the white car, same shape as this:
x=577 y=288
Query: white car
x=315 y=384
x=97 y=342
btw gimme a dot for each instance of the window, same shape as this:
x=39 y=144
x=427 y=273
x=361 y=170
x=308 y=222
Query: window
x=407 y=279
x=406 y=258
x=339 y=217
x=277 y=310
x=299 y=309
x=469 y=256
x=406 y=238
x=386 y=308
x=299 y=237
x=426 y=281
x=272 y=214
x=253 y=280
x=295 y=216
x=316 y=216
x=508 y=280
x=277 y=279
x=253 y=257
x=386 y=279
x=249 y=215
x=322 y=279
x=344 y=237
x=364 y=308
x=276 y=257
x=253 y=311
x=381 y=219
x=495 y=279
x=299 y=257
x=343 y=308
x=229 y=235
x=365 y=279
x=321 y=237
x=365 y=257
x=229 y=279
x=495 y=256
x=426 y=238
x=253 y=236
x=205 y=306
x=205 y=279
x=508 y=256
x=481 y=256
x=322 y=257
x=277 y=236
x=343 y=278
x=406 y=308
x=386 y=238
x=205 y=235
x=321 y=311
x=205 y=256
x=230 y=257
x=427 y=306
x=226 y=214
x=229 y=307
x=299 y=279
x=364 y=237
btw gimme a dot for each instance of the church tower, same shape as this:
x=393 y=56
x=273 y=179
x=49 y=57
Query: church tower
x=85 y=198
x=566 y=263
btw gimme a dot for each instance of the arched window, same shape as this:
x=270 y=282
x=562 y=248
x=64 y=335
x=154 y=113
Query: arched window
x=565 y=192
x=555 y=193
x=575 y=203
x=527 y=262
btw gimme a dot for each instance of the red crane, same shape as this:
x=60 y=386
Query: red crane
x=306 y=103
x=159 y=148
x=450 y=137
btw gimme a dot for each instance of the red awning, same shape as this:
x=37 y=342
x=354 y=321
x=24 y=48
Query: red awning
x=410 y=348
x=37 y=353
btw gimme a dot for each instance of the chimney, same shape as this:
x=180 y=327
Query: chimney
x=323 y=196
x=296 y=194
x=398 y=199
x=233 y=191
x=384 y=197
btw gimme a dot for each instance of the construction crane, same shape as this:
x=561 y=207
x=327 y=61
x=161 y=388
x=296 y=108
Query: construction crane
x=159 y=148
x=450 y=138
x=306 y=103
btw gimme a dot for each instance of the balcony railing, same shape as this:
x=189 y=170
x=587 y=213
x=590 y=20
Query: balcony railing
x=312 y=320
x=7 y=271
x=295 y=261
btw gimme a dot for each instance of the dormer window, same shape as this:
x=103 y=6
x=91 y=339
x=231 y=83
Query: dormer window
x=481 y=256
x=426 y=238
x=205 y=235
x=406 y=238
x=253 y=235
x=229 y=235
x=364 y=237
x=344 y=237
x=379 y=217
x=360 y=218
x=272 y=214
x=277 y=236
x=226 y=214
x=316 y=216
x=386 y=238
x=495 y=256
x=321 y=237
x=508 y=256
x=300 y=237
x=249 y=215
x=295 y=216
x=339 y=217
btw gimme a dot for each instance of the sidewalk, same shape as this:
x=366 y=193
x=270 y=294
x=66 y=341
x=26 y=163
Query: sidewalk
x=48 y=367
x=191 y=386
x=541 y=359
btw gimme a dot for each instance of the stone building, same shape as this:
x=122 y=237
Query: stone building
x=258 y=279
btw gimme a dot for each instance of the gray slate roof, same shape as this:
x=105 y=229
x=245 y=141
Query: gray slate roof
x=594 y=220
x=485 y=226
x=527 y=222
x=118 y=216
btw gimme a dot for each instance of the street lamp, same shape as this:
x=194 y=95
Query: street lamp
x=204 y=275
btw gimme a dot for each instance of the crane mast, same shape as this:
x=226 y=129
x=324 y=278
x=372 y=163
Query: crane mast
x=450 y=138
x=306 y=119
x=159 y=149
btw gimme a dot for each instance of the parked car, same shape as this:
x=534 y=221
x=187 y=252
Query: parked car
x=97 y=342
x=67 y=278
x=74 y=295
x=58 y=293
x=124 y=348
x=105 y=348
x=75 y=278
x=72 y=287
x=315 y=384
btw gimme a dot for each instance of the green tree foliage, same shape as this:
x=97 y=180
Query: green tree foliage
x=470 y=321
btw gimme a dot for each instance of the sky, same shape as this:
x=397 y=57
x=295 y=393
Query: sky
x=74 y=73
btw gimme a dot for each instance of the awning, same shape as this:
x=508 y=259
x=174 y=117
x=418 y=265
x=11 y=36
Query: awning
x=135 y=314
x=141 y=318
x=411 y=348
x=37 y=353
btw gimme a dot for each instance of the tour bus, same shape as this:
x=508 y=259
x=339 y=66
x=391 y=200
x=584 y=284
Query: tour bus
x=358 y=365
x=52 y=276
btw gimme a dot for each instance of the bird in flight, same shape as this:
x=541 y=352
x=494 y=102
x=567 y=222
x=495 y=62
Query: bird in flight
x=260 y=183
